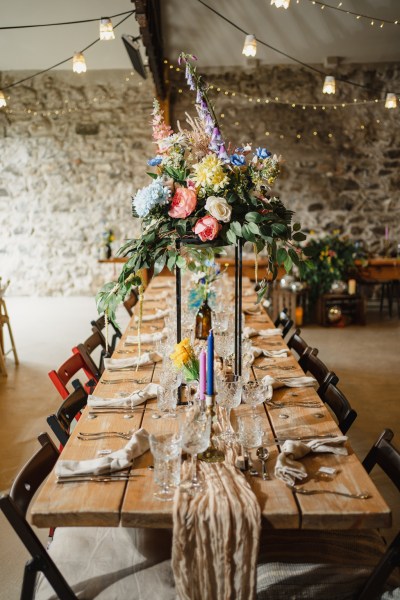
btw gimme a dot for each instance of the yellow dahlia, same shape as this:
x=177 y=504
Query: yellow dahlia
x=209 y=173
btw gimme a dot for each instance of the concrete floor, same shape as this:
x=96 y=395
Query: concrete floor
x=365 y=358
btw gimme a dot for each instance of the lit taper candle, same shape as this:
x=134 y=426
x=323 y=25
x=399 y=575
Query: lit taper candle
x=210 y=364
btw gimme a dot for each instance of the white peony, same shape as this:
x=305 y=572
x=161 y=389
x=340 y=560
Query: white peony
x=219 y=208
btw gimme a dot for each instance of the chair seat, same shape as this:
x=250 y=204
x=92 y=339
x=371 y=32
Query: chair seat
x=102 y=562
x=306 y=565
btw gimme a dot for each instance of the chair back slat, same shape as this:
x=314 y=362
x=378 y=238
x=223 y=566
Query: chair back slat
x=60 y=423
x=384 y=454
x=76 y=362
x=340 y=406
x=33 y=473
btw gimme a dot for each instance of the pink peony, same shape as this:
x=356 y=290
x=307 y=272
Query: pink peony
x=183 y=203
x=207 y=228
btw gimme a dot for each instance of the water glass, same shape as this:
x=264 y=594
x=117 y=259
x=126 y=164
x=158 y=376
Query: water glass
x=195 y=432
x=229 y=396
x=166 y=450
x=254 y=393
x=250 y=433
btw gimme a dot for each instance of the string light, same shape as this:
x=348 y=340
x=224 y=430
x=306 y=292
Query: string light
x=250 y=46
x=391 y=101
x=329 y=85
x=290 y=102
x=78 y=63
x=281 y=3
x=106 y=29
x=2 y=100
x=358 y=16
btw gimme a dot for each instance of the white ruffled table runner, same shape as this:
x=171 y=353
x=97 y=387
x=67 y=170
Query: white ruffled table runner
x=216 y=535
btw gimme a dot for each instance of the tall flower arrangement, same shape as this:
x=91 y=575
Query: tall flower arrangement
x=204 y=190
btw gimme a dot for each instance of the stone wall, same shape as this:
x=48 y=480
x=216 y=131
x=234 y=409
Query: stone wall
x=346 y=175
x=73 y=151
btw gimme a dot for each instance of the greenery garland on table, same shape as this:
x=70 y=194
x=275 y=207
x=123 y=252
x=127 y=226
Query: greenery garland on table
x=204 y=191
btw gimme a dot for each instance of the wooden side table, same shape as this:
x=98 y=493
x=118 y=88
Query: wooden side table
x=352 y=309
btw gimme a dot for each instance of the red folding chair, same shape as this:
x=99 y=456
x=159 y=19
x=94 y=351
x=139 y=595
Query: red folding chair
x=65 y=373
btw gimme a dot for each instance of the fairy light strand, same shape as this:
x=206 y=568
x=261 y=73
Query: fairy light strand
x=276 y=100
x=11 y=85
x=372 y=20
x=64 y=22
x=292 y=58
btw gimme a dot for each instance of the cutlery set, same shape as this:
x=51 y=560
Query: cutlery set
x=310 y=492
x=130 y=380
x=105 y=434
x=272 y=404
x=275 y=366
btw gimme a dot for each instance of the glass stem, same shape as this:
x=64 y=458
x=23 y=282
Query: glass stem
x=228 y=419
x=194 y=469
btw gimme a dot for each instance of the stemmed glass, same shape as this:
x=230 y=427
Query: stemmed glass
x=249 y=433
x=229 y=396
x=195 y=431
x=167 y=394
x=247 y=360
x=166 y=449
x=255 y=393
x=224 y=344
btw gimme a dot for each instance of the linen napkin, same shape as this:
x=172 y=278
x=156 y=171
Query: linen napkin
x=120 y=459
x=249 y=332
x=292 y=382
x=146 y=338
x=158 y=314
x=288 y=468
x=137 y=397
x=281 y=353
x=147 y=358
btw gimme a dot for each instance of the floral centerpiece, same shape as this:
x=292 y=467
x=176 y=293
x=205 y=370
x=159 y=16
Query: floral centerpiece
x=185 y=360
x=333 y=260
x=204 y=191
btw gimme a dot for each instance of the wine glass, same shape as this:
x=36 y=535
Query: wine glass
x=255 y=393
x=224 y=344
x=250 y=433
x=247 y=360
x=167 y=392
x=166 y=449
x=195 y=431
x=229 y=396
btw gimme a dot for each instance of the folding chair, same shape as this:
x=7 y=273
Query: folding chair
x=66 y=372
x=70 y=409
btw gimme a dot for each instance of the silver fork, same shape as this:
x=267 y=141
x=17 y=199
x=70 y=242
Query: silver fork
x=308 y=492
x=130 y=380
x=100 y=436
x=274 y=366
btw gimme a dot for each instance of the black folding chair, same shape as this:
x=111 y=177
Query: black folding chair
x=319 y=370
x=60 y=422
x=300 y=346
x=284 y=321
x=340 y=406
x=15 y=505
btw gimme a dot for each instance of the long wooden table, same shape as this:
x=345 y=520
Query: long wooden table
x=132 y=503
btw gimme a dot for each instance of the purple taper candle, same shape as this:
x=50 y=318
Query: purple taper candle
x=210 y=363
x=202 y=381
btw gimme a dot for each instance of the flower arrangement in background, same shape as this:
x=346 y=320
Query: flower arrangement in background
x=333 y=260
x=185 y=360
x=107 y=238
x=203 y=191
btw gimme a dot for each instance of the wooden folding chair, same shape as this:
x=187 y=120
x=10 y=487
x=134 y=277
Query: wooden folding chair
x=66 y=372
x=5 y=322
x=339 y=405
x=60 y=422
x=87 y=348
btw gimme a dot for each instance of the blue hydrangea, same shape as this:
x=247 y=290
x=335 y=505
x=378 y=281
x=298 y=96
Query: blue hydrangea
x=238 y=160
x=154 y=162
x=150 y=196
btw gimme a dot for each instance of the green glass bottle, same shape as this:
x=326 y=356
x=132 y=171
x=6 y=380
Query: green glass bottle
x=203 y=321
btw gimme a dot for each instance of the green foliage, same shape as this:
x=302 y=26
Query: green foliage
x=332 y=260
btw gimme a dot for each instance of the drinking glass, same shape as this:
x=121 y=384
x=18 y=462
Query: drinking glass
x=166 y=449
x=247 y=360
x=250 y=433
x=195 y=432
x=254 y=393
x=220 y=320
x=229 y=396
x=224 y=344
x=167 y=393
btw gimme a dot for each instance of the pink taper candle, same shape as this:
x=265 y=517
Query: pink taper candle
x=202 y=382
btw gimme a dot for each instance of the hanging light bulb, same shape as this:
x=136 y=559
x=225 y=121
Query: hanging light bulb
x=391 y=101
x=329 y=85
x=2 y=100
x=78 y=63
x=280 y=3
x=250 y=46
x=106 y=29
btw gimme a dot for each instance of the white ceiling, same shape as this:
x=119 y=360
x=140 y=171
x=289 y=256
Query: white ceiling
x=303 y=31
x=39 y=48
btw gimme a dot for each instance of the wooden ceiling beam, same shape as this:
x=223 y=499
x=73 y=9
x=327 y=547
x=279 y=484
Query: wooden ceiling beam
x=148 y=16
